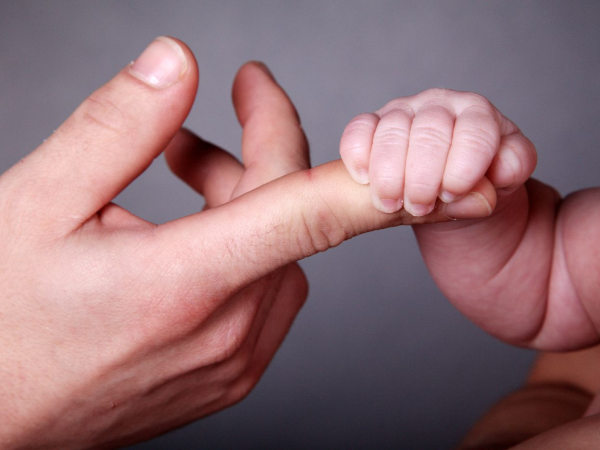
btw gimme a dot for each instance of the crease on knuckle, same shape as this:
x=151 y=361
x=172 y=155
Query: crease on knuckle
x=398 y=106
x=459 y=181
x=388 y=183
x=393 y=137
x=422 y=187
x=101 y=112
x=430 y=138
x=478 y=141
x=362 y=123
x=321 y=228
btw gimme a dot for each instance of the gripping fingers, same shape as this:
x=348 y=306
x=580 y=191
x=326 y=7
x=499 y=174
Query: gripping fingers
x=355 y=146
x=430 y=139
x=474 y=144
x=388 y=160
x=514 y=163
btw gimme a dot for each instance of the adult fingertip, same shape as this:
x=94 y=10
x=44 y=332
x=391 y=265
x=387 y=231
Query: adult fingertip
x=162 y=64
x=262 y=66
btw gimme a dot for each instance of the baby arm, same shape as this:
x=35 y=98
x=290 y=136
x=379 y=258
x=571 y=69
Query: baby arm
x=510 y=272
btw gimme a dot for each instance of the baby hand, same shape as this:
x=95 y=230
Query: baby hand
x=439 y=143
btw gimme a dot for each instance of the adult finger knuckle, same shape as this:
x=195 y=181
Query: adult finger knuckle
x=101 y=113
x=242 y=387
x=238 y=364
x=320 y=227
x=322 y=230
x=227 y=345
x=226 y=350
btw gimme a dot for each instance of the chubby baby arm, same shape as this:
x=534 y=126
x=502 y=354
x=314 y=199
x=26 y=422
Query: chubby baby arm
x=528 y=274
x=498 y=270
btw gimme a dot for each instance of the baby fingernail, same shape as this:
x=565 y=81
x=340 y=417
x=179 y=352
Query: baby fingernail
x=162 y=64
x=471 y=206
x=387 y=205
x=417 y=209
x=361 y=176
x=447 y=197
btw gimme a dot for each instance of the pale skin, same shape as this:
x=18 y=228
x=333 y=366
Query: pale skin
x=114 y=329
x=528 y=272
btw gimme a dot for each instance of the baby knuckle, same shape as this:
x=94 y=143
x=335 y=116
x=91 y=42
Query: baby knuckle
x=393 y=136
x=478 y=140
x=436 y=93
x=475 y=99
x=362 y=123
x=360 y=126
x=398 y=105
x=393 y=104
x=457 y=182
x=430 y=137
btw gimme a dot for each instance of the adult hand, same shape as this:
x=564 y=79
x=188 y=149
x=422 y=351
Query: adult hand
x=114 y=329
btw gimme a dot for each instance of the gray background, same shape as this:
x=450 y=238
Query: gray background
x=377 y=358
